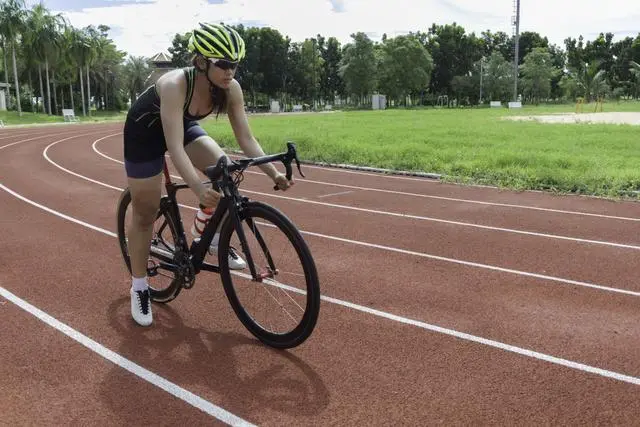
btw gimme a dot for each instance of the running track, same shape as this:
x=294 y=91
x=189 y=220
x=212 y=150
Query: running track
x=442 y=304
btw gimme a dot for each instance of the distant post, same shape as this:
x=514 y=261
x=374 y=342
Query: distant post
x=516 y=24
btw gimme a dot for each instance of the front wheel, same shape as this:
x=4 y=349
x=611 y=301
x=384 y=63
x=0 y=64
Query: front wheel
x=280 y=302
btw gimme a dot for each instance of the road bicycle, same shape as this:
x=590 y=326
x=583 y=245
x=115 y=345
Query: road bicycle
x=244 y=226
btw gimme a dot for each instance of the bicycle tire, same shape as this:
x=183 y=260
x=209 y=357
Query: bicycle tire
x=303 y=330
x=170 y=292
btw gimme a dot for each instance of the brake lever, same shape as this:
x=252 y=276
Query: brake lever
x=291 y=148
x=289 y=173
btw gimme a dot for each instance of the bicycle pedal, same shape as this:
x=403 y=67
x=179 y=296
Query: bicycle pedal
x=188 y=284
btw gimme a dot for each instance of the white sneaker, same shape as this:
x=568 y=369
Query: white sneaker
x=141 y=307
x=235 y=261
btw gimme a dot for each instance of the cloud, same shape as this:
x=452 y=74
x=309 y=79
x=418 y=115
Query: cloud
x=148 y=27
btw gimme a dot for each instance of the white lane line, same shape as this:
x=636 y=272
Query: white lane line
x=451 y=332
x=44 y=153
x=419 y=254
x=44 y=136
x=478 y=202
x=452 y=199
x=417 y=217
x=160 y=382
x=478 y=265
x=335 y=194
x=16 y=136
x=175 y=390
x=444 y=221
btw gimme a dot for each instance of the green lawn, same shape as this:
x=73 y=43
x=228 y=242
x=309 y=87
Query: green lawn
x=465 y=145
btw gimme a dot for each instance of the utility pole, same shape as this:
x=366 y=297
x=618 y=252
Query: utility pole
x=516 y=34
x=481 y=73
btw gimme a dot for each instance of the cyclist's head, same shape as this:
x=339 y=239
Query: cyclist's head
x=218 y=49
x=217 y=41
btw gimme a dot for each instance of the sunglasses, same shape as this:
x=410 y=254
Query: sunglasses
x=223 y=64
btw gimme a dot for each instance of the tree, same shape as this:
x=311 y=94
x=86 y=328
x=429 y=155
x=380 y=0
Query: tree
x=635 y=72
x=179 y=50
x=272 y=60
x=45 y=39
x=358 y=66
x=454 y=54
x=498 y=78
x=537 y=72
x=136 y=71
x=332 y=83
x=312 y=64
x=405 y=67
x=12 y=24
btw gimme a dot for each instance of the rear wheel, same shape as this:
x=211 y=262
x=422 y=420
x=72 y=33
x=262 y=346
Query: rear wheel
x=281 y=307
x=164 y=284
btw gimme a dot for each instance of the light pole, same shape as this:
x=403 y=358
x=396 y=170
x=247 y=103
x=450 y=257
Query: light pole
x=481 y=74
x=516 y=24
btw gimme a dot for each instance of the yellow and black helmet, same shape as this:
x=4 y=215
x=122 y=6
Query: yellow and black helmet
x=217 y=41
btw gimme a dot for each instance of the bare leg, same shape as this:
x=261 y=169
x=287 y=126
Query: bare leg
x=145 y=201
x=204 y=152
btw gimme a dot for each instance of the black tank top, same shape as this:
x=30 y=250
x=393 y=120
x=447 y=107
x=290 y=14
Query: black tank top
x=145 y=111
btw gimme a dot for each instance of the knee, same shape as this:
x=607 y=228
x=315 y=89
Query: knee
x=144 y=215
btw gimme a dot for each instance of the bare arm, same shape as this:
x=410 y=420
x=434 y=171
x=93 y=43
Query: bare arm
x=242 y=131
x=173 y=93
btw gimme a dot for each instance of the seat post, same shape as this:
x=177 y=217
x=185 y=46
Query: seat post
x=167 y=177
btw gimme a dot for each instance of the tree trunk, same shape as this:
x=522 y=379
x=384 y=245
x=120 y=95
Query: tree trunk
x=55 y=95
x=84 y=112
x=46 y=69
x=73 y=107
x=31 y=88
x=88 y=93
x=106 y=93
x=6 y=78
x=41 y=87
x=15 y=79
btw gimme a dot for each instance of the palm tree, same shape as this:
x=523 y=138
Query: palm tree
x=12 y=24
x=69 y=60
x=47 y=31
x=591 y=80
x=77 y=52
x=35 y=41
x=89 y=55
x=136 y=72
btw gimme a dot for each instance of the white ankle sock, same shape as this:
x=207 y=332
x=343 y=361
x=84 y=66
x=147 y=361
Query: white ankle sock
x=139 y=283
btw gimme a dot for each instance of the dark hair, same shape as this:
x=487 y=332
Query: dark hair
x=218 y=95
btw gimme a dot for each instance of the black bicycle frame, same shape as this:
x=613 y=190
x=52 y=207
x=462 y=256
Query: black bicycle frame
x=231 y=203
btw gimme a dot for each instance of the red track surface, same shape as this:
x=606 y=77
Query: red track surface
x=531 y=304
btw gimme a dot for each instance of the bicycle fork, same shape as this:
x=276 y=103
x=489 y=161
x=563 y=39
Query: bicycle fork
x=255 y=276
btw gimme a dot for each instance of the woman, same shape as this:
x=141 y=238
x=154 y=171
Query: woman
x=164 y=118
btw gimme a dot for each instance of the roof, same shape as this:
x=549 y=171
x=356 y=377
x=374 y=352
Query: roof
x=161 y=57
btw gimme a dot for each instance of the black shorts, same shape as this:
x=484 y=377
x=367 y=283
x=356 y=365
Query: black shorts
x=144 y=148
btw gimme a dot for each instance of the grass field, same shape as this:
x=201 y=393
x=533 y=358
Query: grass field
x=470 y=146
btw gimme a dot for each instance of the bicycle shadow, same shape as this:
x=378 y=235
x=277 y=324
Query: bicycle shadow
x=197 y=359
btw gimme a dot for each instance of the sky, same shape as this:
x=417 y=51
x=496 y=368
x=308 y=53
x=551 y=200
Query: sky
x=146 y=27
